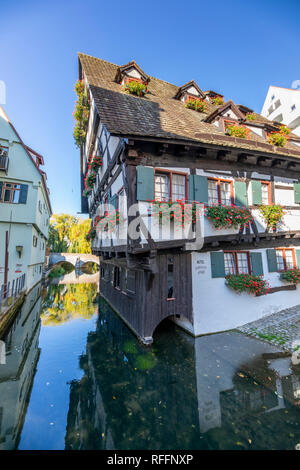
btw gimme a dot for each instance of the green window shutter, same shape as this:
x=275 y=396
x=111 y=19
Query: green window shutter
x=256 y=263
x=1 y=185
x=217 y=264
x=114 y=201
x=144 y=183
x=298 y=258
x=297 y=193
x=200 y=189
x=256 y=192
x=23 y=194
x=272 y=261
x=240 y=193
x=191 y=188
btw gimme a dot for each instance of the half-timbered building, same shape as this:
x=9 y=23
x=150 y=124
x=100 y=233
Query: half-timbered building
x=157 y=145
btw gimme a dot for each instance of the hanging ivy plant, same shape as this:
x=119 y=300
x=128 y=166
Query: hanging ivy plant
x=81 y=114
x=249 y=283
x=272 y=215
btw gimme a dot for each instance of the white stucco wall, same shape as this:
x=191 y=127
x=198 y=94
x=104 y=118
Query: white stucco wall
x=218 y=308
x=284 y=113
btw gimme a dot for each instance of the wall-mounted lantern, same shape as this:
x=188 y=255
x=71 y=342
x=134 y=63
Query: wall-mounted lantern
x=19 y=249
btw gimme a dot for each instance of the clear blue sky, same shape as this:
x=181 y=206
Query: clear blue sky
x=236 y=47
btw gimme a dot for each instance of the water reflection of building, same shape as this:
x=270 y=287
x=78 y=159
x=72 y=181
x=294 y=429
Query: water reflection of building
x=221 y=391
x=16 y=376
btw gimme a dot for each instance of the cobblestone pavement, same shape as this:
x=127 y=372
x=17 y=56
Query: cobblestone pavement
x=281 y=329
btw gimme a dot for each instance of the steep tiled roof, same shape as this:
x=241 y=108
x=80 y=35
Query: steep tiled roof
x=158 y=114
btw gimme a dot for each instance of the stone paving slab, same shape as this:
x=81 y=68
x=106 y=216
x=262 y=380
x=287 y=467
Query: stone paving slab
x=281 y=329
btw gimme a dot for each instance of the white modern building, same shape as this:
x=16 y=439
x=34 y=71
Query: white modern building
x=25 y=210
x=283 y=105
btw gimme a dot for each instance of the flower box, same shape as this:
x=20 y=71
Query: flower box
x=291 y=275
x=134 y=87
x=198 y=105
x=238 y=131
x=232 y=216
x=249 y=283
x=279 y=138
x=217 y=101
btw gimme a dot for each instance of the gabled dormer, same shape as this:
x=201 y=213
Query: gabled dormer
x=229 y=111
x=244 y=109
x=131 y=71
x=189 y=91
x=214 y=97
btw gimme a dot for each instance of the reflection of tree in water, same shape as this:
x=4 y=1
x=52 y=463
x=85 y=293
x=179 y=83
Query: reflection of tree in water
x=63 y=303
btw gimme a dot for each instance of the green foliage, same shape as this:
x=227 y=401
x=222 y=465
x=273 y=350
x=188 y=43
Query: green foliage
x=275 y=138
x=292 y=276
x=272 y=214
x=228 y=216
x=81 y=114
x=135 y=88
x=217 y=100
x=250 y=117
x=197 y=105
x=238 y=131
x=68 y=234
x=249 y=283
x=62 y=305
x=145 y=361
x=57 y=272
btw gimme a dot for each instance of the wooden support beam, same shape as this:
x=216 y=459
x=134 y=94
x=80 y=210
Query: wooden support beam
x=276 y=163
x=222 y=154
x=260 y=160
x=242 y=157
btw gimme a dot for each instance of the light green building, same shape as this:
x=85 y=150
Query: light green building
x=25 y=209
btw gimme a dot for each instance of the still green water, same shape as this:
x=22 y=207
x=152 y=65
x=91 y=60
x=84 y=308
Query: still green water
x=76 y=378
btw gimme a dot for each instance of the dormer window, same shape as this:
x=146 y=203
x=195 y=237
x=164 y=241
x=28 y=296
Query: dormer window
x=214 y=98
x=189 y=91
x=132 y=79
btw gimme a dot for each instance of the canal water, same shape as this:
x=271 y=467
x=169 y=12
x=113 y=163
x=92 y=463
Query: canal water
x=76 y=378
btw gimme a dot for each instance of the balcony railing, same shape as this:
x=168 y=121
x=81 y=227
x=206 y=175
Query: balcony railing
x=3 y=163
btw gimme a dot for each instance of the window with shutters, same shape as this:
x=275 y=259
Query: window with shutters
x=286 y=259
x=11 y=193
x=237 y=262
x=220 y=191
x=170 y=185
x=266 y=193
